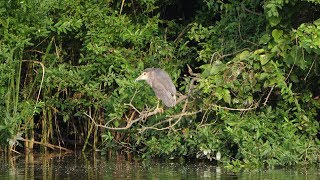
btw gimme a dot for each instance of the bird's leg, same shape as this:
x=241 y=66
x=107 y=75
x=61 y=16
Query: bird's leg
x=144 y=115
x=158 y=108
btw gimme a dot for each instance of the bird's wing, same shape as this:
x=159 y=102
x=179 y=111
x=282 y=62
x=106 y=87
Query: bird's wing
x=163 y=87
x=165 y=80
x=167 y=98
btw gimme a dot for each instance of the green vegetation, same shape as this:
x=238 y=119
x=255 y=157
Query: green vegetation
x=67 y=66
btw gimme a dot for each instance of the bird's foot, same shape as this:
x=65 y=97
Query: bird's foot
x=160 y=110
x=144 y=115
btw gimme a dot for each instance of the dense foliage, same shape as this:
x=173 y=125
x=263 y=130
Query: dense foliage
x=67 y=66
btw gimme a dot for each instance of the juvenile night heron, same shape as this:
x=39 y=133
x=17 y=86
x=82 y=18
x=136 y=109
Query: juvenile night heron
x=161 y=84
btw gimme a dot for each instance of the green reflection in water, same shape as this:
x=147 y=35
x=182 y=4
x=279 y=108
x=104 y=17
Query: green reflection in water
x=123 y=166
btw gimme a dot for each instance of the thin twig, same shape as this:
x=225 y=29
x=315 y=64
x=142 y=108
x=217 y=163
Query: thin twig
x=122 y=3
x=289 y=73
x=205 y=116
x=209 y=124
x=181 y=34
x=185 y=104
x=191 y=72
x=267 y=98
x=250 y=11
x=13 y=150
x=239 y=30
x=42 y=78
x=168 y=120
x=233 y=53
x=235 y=109
x=310 y=69
x=134 y=10
x=32 y=50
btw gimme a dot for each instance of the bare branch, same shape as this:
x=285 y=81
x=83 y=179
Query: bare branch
x=236 y=109
x=130 y=122
x=310 y=69
x=250 y=11
x=267 y=98
x=122 y=3
x=191 y=72
x=178 y=116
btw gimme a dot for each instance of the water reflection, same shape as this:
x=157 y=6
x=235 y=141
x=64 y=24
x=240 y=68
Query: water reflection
x=116 y=165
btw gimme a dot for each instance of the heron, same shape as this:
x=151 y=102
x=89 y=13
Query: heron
x=162 y=85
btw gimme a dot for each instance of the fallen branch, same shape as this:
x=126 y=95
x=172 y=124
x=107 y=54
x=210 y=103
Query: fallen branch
x=51 y=146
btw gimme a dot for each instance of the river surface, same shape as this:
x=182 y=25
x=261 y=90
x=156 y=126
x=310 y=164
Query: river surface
x=116 y=165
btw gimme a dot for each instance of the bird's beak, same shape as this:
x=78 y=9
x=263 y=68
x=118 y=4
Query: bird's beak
x=138 y=78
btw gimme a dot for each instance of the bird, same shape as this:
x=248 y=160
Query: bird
x=162 y=85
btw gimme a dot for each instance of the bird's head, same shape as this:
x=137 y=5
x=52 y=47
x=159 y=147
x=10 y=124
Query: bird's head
x=145 y=75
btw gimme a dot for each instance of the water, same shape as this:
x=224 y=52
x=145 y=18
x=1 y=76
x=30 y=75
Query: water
x=117 y=165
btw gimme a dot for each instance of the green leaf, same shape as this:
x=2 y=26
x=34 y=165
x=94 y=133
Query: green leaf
x=66 y=118
x=116 y=123
x=205 y=69
x=276 y=34
x=317 y=22
x=294 y=78
x=227 y=96
x=223 y=94
x=215 y=69
x=264 y=39
x=264 y=59
x=259 y=51
x=244 y=55
x=274 y=20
